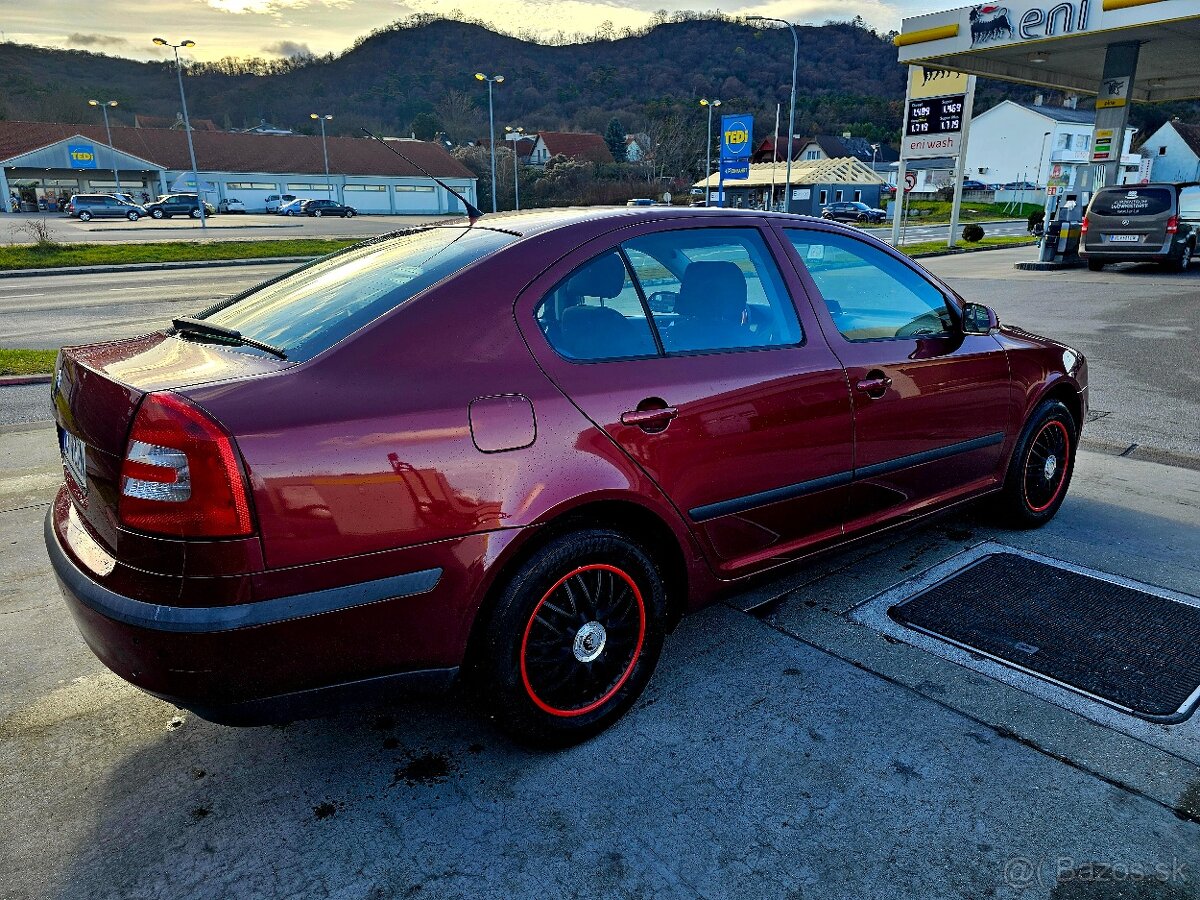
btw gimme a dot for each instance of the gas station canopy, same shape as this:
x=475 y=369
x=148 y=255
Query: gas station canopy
x=1063 y=44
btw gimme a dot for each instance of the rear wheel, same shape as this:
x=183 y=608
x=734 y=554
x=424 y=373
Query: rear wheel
x=195 y=213
x=1041 y=467
x=573 y=639
x=85 y=216
x=156 y=214
x=132 y=216
x=1185 y=258
x=1095 y=265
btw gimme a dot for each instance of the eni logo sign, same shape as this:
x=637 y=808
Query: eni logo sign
x=82 y=156
x=991 y=23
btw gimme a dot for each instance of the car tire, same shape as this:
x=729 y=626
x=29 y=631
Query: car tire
x=861 y=218
x=1185 y=258
x=1095 y=265
x=316 y=214
x=555 y=674
x=1041 y=467
x=132 y=216
x=85 y=216
x=195 y=213
x=157 y=214
x=350 y=214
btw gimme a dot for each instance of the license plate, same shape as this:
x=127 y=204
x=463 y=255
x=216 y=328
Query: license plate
x=1124 y=238
x=74 y=454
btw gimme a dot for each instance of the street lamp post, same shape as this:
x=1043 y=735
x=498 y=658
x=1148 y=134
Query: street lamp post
x=108 y=131
x=491 y=79
x=324 y=149
x=787 y=206
x=1042 y=156
x=515 y=135
x=187 y=125
x=708 y=152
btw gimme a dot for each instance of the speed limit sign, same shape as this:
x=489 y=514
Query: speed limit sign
x=910 y=181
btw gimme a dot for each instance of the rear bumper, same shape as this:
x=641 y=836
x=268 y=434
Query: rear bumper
x=281 y=658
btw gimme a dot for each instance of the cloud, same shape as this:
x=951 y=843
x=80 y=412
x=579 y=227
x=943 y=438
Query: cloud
x=288 y=48
x=77 y=39
x=274 y=7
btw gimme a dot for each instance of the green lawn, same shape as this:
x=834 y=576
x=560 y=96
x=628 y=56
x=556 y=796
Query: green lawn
x=931 y=212
x=923 y=247
x=52 y=256
x=27 y=362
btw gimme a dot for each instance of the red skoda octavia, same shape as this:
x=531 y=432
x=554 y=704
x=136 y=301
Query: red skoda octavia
x=520 y=449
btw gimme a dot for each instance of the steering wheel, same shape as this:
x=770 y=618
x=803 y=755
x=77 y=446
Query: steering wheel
x=925 y=325
x=662 y=301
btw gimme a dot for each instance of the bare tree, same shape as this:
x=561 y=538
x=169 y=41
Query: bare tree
x=461 y=119
x=676 y=145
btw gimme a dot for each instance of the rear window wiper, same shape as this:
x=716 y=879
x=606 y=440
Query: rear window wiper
x=203 y=328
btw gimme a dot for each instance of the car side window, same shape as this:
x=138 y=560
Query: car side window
x=595 y=313
x=870 y=295
x=713 y=289
x=1189 y=204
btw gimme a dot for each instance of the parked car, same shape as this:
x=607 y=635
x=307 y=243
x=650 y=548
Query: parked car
x=458 y=452
x=640 y=201
x=1142 y=223
x=852 y=211
x=275 y=201
x=970 y=184
x=292 y=207
x=231 y=205
x=86 y=207
x=1021 y=186
x=170 y=205
x=320 y=208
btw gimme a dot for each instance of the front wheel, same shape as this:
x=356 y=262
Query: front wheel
x=1095 y=265
x=156 y=214
x=573 y=639
x=1185 y=258
x=132 y=217
x=1041 y=467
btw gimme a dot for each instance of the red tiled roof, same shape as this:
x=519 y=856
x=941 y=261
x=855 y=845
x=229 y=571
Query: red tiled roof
x=577 y=145
x=218 y=151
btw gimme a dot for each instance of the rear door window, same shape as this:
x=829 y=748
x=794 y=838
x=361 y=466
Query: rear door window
x=713 y=289
x=1189 y=204
x=1136 y=201
x=312 y=309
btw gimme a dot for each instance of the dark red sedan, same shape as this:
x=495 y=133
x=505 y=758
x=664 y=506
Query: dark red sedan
x=520 y=449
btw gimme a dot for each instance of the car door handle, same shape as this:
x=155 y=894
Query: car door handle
x=875 y=386
x=649 y=417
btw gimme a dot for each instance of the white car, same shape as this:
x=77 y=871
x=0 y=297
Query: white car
x=292 y=207
x=277 y=200
x=231 y=205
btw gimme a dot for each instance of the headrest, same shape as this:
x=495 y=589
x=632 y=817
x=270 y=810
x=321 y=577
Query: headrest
x=712 y=290
x=592 y=332
x=603 y=278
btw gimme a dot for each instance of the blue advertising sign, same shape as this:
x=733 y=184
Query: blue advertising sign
x=81 y=156
x=737 y=134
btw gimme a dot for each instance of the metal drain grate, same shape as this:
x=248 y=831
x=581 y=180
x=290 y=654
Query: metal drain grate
x=1133 y=650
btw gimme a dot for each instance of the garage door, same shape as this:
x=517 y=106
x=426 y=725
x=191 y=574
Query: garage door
x=367 y=198
x=416 y=198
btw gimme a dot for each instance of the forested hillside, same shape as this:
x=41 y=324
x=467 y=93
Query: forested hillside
x=417 y=74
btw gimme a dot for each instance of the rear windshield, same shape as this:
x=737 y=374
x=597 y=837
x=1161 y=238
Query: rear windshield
x=311 y=310
x=1132 y=202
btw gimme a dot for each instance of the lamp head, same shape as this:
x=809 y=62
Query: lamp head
x=112 y=102
x=479 y=76
x=188 y=44
x=499 y=79
x=703 y=102
x=93 y=103
x=160 y=42
x=716 y=103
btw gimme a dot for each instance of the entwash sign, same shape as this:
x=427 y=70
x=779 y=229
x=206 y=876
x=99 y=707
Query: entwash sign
x=81 y=156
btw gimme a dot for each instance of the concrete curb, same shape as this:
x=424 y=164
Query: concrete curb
x=13 y=380
x=1048 y=266
x=153 y=267
x=958 y=251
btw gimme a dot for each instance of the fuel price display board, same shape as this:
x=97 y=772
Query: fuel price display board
x=936 y=115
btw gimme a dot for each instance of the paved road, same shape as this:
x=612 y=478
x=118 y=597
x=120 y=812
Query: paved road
x=219 y=228
x=1135 y=323
x=791 y=753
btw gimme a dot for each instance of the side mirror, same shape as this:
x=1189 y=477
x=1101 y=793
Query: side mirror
x=979 y=319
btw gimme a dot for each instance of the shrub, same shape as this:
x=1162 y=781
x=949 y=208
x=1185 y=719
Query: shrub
x=972 y=233
x=1037 y=217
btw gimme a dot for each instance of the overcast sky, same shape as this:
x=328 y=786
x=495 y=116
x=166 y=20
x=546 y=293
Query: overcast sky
x=284 y=27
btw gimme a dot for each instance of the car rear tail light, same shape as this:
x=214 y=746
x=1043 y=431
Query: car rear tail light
x=181 y=474
x=1083 y=226
x=1173 y=225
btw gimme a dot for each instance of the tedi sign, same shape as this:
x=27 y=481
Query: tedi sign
x=992 y=23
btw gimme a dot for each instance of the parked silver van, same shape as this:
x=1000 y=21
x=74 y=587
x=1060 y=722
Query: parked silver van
x=86 y=207
x=1142 y=223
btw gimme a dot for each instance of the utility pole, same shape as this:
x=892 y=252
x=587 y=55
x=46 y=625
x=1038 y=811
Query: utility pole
x=491 y=79
x=187 y=125
x=108 y=131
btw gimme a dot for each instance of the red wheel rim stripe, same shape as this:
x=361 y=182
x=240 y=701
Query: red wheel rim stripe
x=1062 y=472
x=637 y=651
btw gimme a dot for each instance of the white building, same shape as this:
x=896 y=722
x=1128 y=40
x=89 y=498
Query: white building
x=1175 y=152
x=1025 y=141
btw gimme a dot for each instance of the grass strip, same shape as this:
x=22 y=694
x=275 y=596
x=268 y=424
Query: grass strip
x=27 y=362
x=925 y=247
x=53 y=255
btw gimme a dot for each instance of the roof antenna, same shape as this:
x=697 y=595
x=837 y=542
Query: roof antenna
x=473 y=212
